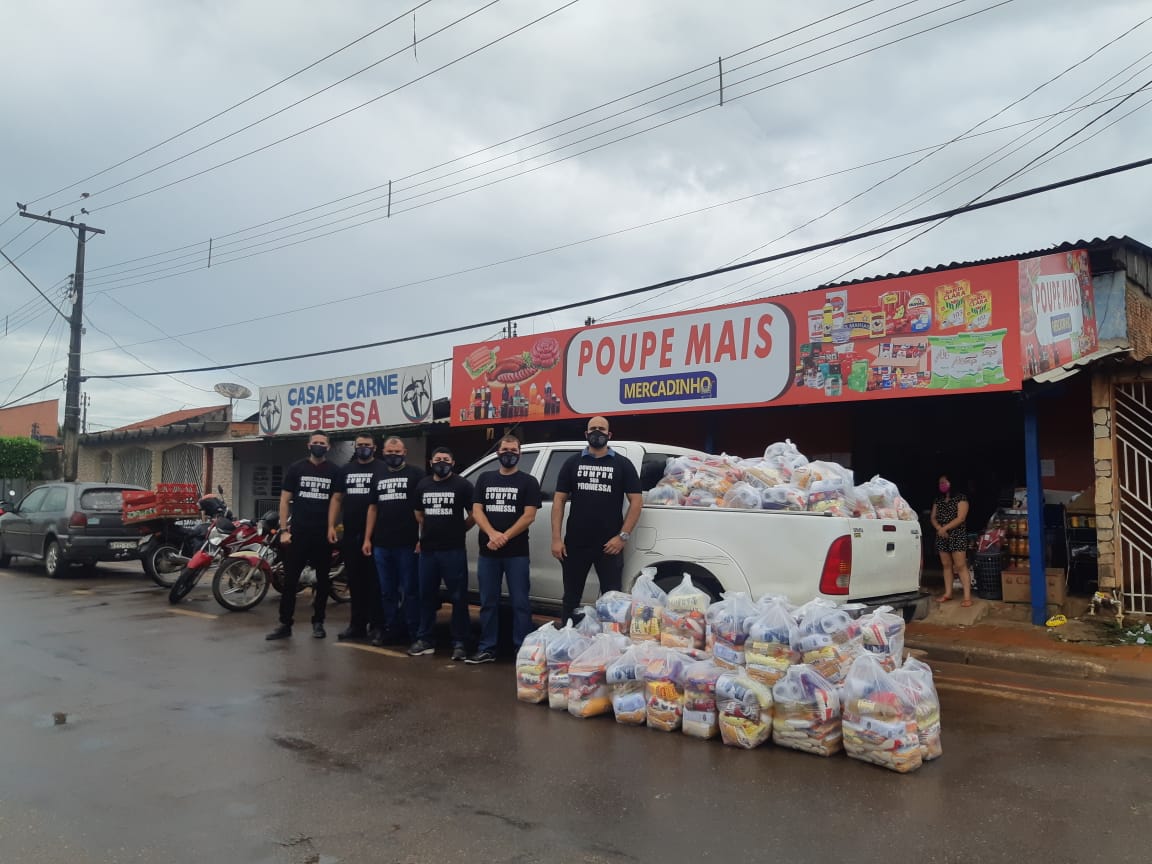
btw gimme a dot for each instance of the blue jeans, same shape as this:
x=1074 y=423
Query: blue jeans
x=490 y=573
x=449 y=566
x=399 y=588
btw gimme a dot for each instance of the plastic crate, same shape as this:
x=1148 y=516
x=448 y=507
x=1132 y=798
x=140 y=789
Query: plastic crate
x=134 y=497
x=178 y=489
x=989 y=567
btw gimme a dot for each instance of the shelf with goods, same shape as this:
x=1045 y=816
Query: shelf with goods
x=1082 y=551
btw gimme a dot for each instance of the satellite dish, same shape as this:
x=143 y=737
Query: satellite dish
x=233 y=391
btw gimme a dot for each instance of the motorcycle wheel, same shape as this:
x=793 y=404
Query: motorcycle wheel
x=239 y=585
x=159 y=566
x=338 y=586
x=185 y=582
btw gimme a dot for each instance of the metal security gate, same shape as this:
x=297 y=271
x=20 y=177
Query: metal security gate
x=134 y=466
x=183 y=464
x=1132 y=419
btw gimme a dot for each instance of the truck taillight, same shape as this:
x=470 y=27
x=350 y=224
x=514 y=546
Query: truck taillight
x=837 y=573
x=78 y=520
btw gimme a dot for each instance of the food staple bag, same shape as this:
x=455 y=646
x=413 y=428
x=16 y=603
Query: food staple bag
x=882 y=636
x=683 y=623
x=648 y=602
x=768 y=652
x=730 y=628
x=700 y=719
x=664 y=689
x=532 y=664
x=916 y=677
x=561 y=651
x=806 y=712
x=626 y=684
x=879 y=718
x=589 y=622
x=745 y=709
x=829 y=640
x=588 y=693
x=614 y=610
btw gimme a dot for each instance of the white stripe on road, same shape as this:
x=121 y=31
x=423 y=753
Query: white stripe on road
x=387 y=652
x=192 y=613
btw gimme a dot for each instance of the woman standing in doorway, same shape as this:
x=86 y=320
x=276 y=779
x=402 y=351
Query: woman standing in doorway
x=949 y=514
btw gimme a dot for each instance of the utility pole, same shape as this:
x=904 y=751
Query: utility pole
x=76 y=320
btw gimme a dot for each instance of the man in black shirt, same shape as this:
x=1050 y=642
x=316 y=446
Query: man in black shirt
x=597 y=482
x=307 y=490
x=351 y=496
x=394 y=534
x=443 y=507
x=505 y=505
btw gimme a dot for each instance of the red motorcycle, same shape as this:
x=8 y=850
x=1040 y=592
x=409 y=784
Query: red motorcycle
x=225 y=536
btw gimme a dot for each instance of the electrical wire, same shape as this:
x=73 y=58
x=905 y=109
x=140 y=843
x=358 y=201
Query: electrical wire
x=138 y=359
x=33 y=393
x=31 y=362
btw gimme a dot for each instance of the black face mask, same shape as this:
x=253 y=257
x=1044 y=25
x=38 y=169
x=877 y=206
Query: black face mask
x=393 y=460
x=509 y=460
x=365 y=452
x=441 y=469
x=318 y=450
x=596 y=440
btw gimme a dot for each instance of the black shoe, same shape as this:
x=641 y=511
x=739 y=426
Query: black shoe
x=379 y=640
x=481 y=657
x=459 y=654
x=284 y=631
x=420 y=647
x=350 y=633
x=318 y=631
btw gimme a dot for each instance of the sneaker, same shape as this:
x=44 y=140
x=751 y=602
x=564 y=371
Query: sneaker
x=481 y=657
x=350 y=633
x=378 y=639
x=421 y=647
x=318 y=631
x=459 y=654
x=283 y=631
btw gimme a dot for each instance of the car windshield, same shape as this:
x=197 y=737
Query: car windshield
x=101 y=499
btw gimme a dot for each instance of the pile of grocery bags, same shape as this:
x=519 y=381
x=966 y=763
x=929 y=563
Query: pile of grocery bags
x=818 y=678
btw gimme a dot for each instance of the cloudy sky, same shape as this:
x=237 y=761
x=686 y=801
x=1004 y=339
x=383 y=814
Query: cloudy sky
x=100 y=83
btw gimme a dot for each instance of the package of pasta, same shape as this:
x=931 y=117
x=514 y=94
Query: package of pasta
x=768 y=652
x=614 y=610
x=730 y=628
x=683 y=623
x=879 y=718
x=648 y=603
x=589 y=623
x=664 y=689
x=588 y=693
x=916 y=677
x=806 y=712
x=626 y=684
x=532 y=664
x=700 y=720
x=828 y=641
x=568 y=644
x=882 y=636
x=745 y=710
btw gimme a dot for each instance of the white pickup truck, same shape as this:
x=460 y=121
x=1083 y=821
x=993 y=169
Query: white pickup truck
x=800 y=555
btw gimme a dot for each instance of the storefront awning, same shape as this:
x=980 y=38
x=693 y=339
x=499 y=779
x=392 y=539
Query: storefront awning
x=1070 y=369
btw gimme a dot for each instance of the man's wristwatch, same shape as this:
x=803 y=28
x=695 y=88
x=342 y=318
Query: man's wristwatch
x=624 y=535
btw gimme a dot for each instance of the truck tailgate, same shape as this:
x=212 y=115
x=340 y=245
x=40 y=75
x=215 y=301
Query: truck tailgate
x=885 y=558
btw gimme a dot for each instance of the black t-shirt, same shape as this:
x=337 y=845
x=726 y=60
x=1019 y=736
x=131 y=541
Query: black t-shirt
x=504 y=497
x=445 y=504
x=396 y=526
x=311 y=488
x=356 y=482
x=596 y=490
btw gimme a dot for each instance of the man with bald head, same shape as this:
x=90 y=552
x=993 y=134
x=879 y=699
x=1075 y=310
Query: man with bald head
x=597 y=481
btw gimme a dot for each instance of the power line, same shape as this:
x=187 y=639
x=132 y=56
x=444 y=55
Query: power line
x=33 y=393
x=28 y=368
x=138 y=359
x=33 y=284
x=232 y=107
x=840 y=241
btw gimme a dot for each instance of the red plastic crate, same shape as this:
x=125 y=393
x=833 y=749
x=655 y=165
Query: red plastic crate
x=181 y=489
x=131 y=496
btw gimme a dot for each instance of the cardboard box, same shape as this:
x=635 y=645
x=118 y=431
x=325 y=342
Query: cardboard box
x=1015 y=586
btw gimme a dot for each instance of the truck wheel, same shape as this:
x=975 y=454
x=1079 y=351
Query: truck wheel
x=669 y=575
x=54 y=563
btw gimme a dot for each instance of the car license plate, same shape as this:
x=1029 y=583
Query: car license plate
x=123 y=544
x=93 y=520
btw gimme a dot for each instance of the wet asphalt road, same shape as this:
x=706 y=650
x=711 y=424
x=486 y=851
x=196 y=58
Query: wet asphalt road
x=190 y=739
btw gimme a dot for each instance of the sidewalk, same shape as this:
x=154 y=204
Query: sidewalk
x=997 y=639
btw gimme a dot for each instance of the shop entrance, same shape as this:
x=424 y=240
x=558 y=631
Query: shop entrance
x=1133 y=419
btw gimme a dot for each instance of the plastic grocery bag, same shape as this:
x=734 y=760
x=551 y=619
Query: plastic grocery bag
x=742 y=496
x=879 y=718
x=700 y=719
x=745 y=710
x=532 y=664
x=916 y=677
x=665 y=495
x=768 y=651
x=561 y=651
x=626 y=684
x=881 y=493
x=648 y=602
x=859 y=505
x=614 y=610
x=589 y=621
x=806 y=712
x=730 y=628
x=882 y=635
x=785 y=497
x=829 y=640
x=664 y=688
x=588 y=693
x=683 y=623
x=784 y=457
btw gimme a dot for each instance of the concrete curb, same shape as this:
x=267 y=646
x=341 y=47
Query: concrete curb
x=1031 y=662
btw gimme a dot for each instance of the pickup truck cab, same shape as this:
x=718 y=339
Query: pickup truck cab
x=800 y=555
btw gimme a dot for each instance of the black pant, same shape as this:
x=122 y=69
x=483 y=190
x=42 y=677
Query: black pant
x=304 y=550
x=580 y=559
x=363 y=585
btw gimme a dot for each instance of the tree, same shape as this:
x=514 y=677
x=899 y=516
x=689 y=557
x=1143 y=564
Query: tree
x=20 y=458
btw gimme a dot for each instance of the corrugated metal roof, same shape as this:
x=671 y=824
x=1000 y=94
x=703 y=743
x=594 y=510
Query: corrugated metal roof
x=1091 y=245
x=1071 y=368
